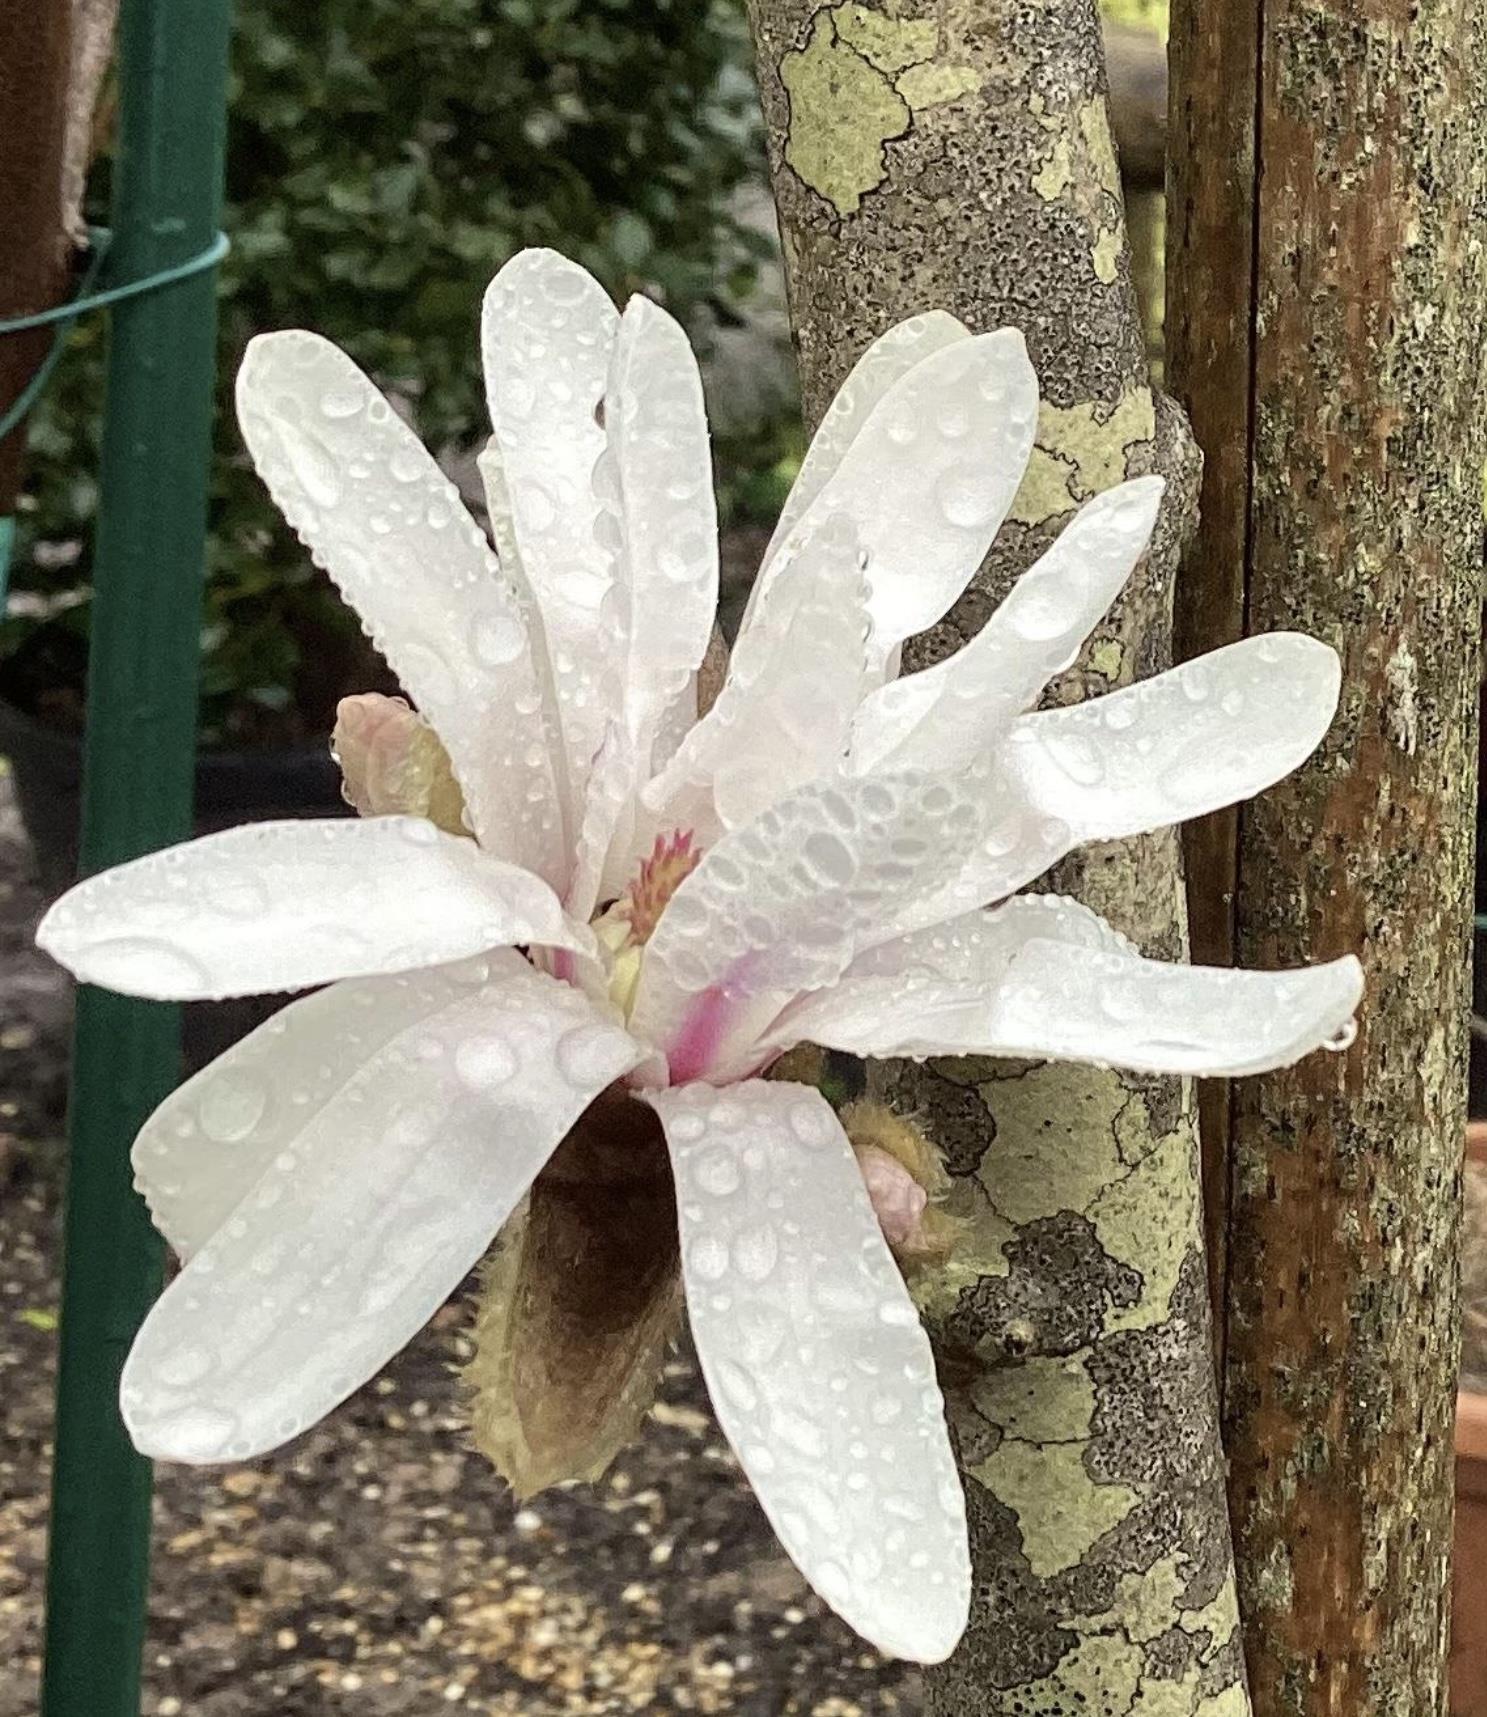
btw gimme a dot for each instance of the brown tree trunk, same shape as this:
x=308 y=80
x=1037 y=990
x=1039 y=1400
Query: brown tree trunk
x=35 y=70
x=958 y=154
x=1325 y=327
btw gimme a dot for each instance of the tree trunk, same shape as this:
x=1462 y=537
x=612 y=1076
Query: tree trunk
x=1326 y=325
x=959 y=154
x=35 y=70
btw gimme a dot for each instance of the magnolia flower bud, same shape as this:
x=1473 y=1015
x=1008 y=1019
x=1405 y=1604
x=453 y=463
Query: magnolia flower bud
x=392 y=762
x=904 y=1178
x=898 y=1199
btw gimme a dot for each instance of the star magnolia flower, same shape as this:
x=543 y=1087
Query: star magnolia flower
x=810 y=861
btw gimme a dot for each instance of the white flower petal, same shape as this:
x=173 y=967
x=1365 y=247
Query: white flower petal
x=364 y=1224
x=376 y=511
x=786 y=903
x=547 y=329
x=203 y=1150
x=656 y=482
x=282 y=906
x=818 y=1367
x=949 y=716
x=1045 y=977
x=606 y=837
x=929 y=478
x=890 y=356
x=1207 y=734
x=794 y=681
x=1211 y=732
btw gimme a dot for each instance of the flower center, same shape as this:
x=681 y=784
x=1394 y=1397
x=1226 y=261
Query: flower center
x=625 y=927
x=672 y=860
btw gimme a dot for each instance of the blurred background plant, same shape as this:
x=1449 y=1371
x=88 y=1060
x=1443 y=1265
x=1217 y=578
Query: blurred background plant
x=384 y=158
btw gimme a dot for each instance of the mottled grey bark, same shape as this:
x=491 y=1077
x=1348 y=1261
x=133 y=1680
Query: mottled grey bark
x=959 y=154
x=1327 y=324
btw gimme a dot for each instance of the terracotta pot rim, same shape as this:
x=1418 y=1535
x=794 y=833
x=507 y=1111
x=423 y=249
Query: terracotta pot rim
x=1471 y=1426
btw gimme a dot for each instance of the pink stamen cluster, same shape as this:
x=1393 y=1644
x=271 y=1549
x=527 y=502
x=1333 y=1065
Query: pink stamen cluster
x=672 y=860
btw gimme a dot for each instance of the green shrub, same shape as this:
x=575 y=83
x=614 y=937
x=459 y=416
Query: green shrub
x=385 y=156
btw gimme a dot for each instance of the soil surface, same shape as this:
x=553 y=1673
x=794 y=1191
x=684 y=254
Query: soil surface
x=377 y=1565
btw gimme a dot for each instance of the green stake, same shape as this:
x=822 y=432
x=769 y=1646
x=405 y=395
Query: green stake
x=139 y=759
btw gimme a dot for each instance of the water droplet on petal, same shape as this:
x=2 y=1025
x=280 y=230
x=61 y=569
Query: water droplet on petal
x=708 y=1257
x=231 y=1106
x=145 y=965
x=185 y=1366
x=589 y=1054
x=498 y=639
x=484 y=1061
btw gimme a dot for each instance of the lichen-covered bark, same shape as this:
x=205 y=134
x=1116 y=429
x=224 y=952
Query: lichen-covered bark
x=1357 y=453
x=959 y=154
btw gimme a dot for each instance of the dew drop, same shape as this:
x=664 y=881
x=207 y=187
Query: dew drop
x=498 y=639
x=1342 y=1038
x=485 y=1061
x=194 y=1434
x=231 y=1106
x=708 y=1257
x=338 y=403
x=184 y=1366
x=965 y=498
x=717 y=1173
x=756 y=1252
x=811 y=1123
x=829 y=859
x=312 y=464
x=737 y=1385
x=588 y=1055
x=144 y=965
x=407 y=464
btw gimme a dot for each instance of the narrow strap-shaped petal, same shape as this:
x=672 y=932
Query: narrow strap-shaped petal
x=1209 y=733
x=1045 y=977
x=785 y=904
x=656 y=479
x=659 y=528
x=816 y=1362
x=890 y=356
x=375 y=510
x=794 y=681
x=928 y=479
x=370 y=1215
x=949 y=716
x=547 y=329
x=282 y=906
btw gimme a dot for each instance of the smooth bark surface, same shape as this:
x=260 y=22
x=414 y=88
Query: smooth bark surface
x=1326 y=326
x=960 y=155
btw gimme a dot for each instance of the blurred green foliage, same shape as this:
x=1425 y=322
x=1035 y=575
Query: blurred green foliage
x=384 y=158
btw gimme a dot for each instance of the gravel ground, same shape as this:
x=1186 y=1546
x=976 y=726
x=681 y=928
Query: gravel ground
x=377 y=1565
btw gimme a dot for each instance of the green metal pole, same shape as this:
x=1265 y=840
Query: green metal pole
x=138 y=784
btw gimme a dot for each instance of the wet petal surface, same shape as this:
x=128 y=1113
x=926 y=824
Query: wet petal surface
x=818 y=1367
x=282 y=906
x=375 y=510
x=370 y=1216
